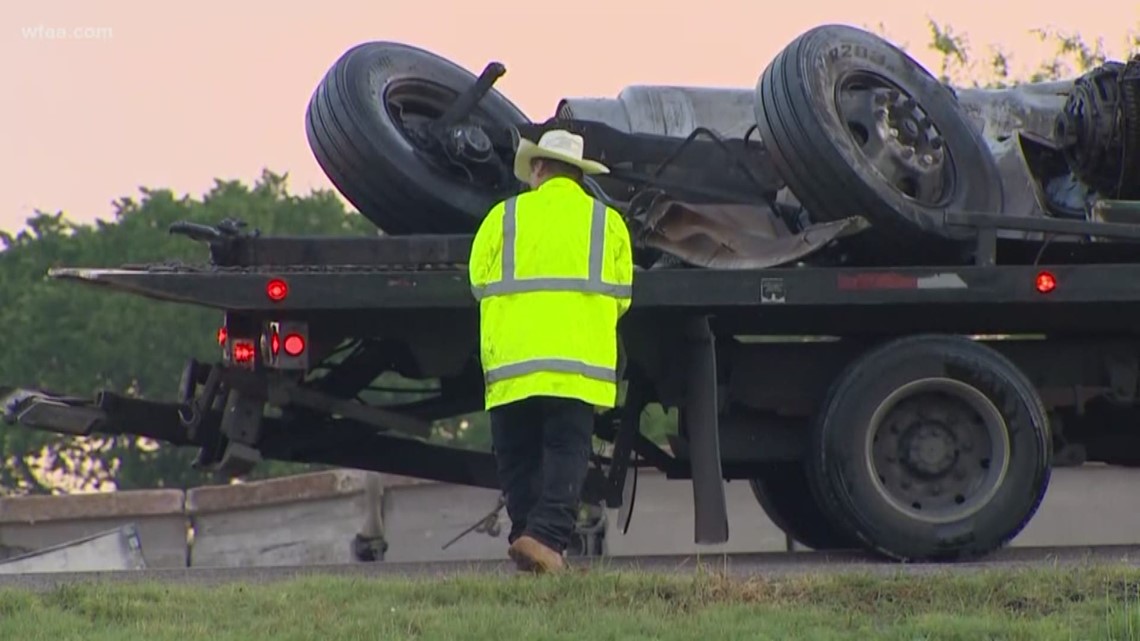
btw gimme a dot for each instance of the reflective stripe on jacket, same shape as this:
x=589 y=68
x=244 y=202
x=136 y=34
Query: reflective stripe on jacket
x=553 y=272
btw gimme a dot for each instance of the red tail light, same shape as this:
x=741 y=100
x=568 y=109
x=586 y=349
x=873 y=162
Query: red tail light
x=284 y=345
x=1045 y=282
x=276 y=290
x=294 y=344
x=244 y=351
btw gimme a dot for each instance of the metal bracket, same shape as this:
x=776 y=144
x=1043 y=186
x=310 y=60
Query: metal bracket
x=985 y=254
x=238 y=460
x=241 y=427
x=195 y=406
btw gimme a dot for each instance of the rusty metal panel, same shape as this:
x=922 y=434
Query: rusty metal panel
x=733 y=236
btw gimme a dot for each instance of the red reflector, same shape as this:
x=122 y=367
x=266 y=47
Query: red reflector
x=276 y=290
x=243 y=351
x=294 y=344
x=1046 y=282
x=222 y=335
x=275 y=344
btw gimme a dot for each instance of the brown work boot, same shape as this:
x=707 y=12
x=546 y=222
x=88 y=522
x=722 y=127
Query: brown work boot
x=532 y=556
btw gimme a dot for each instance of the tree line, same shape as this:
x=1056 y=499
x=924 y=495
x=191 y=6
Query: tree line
x=77 y=340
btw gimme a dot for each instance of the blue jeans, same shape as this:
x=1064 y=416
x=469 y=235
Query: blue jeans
x=542 y=448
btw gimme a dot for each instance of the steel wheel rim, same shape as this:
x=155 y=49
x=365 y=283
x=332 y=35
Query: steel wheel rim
x=896 y=137
x=937 y=450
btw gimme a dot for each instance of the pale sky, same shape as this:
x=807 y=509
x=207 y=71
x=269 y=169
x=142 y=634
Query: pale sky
x=174 y=95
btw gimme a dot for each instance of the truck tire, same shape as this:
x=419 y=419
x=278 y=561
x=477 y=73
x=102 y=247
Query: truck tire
x=831 y=98
x=931 y=448
x=355 y=133
x=783 y=492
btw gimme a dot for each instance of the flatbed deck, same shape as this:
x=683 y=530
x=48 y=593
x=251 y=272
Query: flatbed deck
x=408 y=273
x=966 y=298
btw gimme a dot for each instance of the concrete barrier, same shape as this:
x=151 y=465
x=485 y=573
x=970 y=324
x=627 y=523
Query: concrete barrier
x=314 y=518
x=298 y=520
x=29 y=523
x=419 y=518
x=1089 y=505
x=1084 y=506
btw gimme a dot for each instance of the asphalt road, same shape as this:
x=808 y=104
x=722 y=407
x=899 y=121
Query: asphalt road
x=738 y=565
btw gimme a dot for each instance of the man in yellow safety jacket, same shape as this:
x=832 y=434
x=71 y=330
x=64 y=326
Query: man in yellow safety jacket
x=552 y=269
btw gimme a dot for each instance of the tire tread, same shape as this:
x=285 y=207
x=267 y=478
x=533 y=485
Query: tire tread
x=826 y=478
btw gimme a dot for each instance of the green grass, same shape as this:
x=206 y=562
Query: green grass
x=1038 y=605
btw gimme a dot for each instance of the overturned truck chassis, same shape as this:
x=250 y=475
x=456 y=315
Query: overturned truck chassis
x=700 y=186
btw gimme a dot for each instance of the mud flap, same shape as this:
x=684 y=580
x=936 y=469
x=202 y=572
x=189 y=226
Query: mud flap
x=699 y=416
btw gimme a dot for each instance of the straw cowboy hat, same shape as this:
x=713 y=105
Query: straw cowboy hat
x=557 y=144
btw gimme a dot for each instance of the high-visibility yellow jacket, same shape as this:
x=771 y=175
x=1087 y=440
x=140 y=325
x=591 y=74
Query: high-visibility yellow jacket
x=552 y=269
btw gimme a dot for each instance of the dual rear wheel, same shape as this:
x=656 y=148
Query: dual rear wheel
x=926 y=448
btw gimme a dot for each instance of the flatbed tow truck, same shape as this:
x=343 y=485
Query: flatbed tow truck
x=887 y=370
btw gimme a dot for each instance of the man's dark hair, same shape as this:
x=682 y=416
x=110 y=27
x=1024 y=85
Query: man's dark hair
x=560 y=168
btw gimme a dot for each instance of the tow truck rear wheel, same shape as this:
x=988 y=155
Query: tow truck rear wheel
x=364 y=125
x=856 y=126
x=931 y=448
